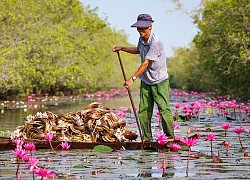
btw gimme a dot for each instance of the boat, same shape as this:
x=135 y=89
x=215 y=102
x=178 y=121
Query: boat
x=7 y=144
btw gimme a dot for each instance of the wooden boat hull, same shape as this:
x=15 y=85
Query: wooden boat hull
x=7 y=144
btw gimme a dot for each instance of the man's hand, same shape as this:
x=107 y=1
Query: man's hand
x=128 y=83
x=116 y=48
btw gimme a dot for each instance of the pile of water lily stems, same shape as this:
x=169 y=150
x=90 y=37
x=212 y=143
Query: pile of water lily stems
x=94 y=123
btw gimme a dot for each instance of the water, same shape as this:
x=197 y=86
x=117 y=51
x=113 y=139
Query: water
x=127 y=164
x=12 y=117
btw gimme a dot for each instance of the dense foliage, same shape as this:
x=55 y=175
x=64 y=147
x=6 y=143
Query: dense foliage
x=57 y=46
x=63 y=47
x=185 y=70
x=219 y=59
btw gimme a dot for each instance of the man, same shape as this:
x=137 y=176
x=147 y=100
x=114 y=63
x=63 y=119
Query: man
x=154 y=78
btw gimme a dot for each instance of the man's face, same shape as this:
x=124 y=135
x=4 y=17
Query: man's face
x=145 y=32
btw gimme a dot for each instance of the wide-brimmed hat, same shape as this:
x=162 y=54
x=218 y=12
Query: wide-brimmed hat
x=143 y=21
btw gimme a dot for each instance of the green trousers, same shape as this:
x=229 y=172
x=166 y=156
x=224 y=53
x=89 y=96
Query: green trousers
x=159 y=94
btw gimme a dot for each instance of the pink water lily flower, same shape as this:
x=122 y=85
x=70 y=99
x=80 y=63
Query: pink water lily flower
x=238 y=130
x=176 y=125
x=49 y=137
x=26 y=157
x=177 y=106
x=44 y=173
x=33 y=161
x=30 y=146
x=157 y=119
x=210 y=136
x=65 y=145
x=175 y=147
x=18 y=142
x=19 y=152
x=123 y=108
x=162 y=139
x=226 y=143
x=121 y=114
x=158 y=113
x=248 y=131
x=226 y=126
x=189 y=141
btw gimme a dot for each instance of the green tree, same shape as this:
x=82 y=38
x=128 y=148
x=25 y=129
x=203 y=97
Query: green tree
x=186 y=71
x=57 y=46
x=223 y=43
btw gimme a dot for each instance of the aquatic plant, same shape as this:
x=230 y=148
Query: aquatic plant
x=30 y=146
x=226 y=127
x=189 y=142
x=158 y=113
x=164 y=166
x=123 y=108
x=44 y=173
x=33 y=161
x=239 y=131
x=161 y=138
x=211 y=138
x=157 y=119
x=26 y=157
x=65 y=146
x=177 y=106
x=49 y=137
x=176 y=125
x=121 y=114
x=18 y=142
x=227 y=145
x=246 y=154
x=3 y=133
x=188 y=131
x=175 y=147
x=102 y=148
x=19 y=153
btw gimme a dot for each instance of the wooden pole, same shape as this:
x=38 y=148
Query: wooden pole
x=131 y=99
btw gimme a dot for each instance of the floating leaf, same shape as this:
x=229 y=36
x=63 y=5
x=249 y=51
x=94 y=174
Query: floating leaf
x=79 y=166
x=102 y=148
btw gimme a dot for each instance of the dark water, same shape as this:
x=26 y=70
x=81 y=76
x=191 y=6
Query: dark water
x=12 y=117
x=141 y=164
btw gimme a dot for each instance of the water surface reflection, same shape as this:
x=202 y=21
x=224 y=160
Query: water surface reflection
x=127 y=164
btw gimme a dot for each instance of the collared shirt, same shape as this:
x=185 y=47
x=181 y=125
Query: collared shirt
x=153 y=50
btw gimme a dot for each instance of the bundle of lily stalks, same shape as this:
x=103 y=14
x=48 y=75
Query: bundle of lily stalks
x=94 y=123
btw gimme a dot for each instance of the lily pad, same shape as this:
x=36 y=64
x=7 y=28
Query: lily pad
x=102 y=148
x=79 y=166
x=2 y=133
